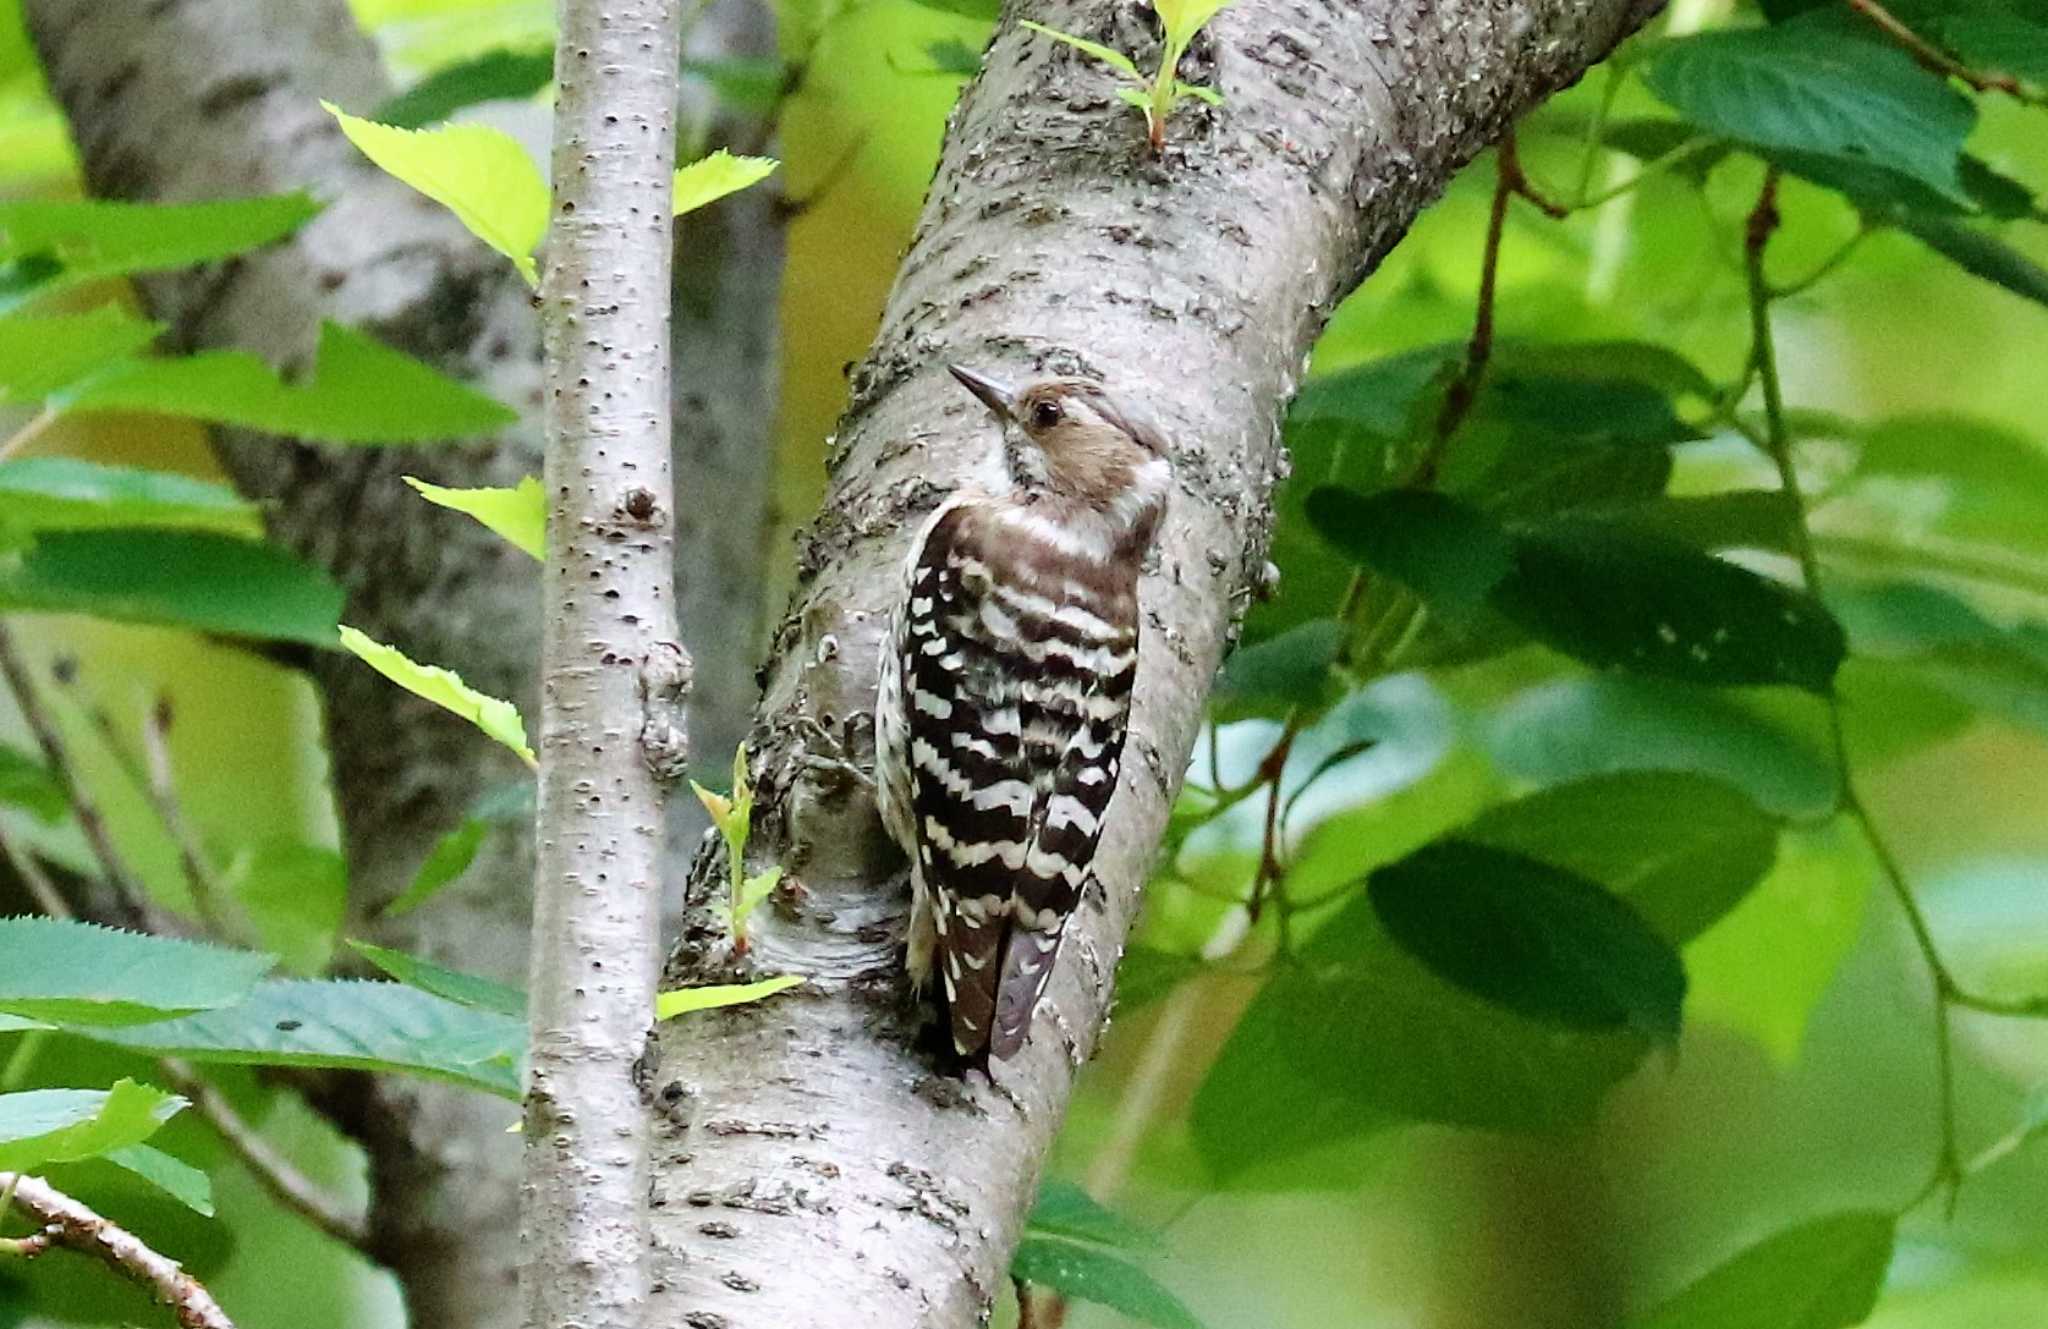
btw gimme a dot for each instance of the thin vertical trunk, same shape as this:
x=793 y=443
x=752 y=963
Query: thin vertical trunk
x=613 y=674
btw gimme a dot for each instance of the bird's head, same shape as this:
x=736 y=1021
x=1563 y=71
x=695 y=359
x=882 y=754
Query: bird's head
x=1081 y=442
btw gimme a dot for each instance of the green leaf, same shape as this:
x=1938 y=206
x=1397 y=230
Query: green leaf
x=1537 y=939
x=1579 y=727
x=751 y=893
x=79 y=973
x=179 y=1180
x=467 y=989
x=1612 y=597
x=1647 y=140
x=1991 y=41
x=41 y=354
x=66 y=1125
x=498 y=719
x=1982 y=255
x=1436 y=546
x=519 y=514
x=1089 y=1273
x=1290 y=669
x=1682 y=849
x=480 y=174
x=46 y=246
x=27 y=784
x=985 y=10
x=1806 y=86
x=1823 y=1274
x=681 y=1001
x=746 y=85
x=1116 y=60
x=1358 y=1034
x=1732 y=519
x=1951 y=476
x=171 y=1176
x=1182 y=19
x=1065 y=1210
x=1199 y=91
x=187 y=579
x=705 y=181
x=1936 y=637
x=360 y=392
x=40 y=494
x=445 y=863
x=295 y=896
x=1147 y=973
x=499 y=75
x=387 y=1027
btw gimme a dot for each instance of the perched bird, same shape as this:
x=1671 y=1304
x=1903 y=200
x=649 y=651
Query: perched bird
x=999 y=726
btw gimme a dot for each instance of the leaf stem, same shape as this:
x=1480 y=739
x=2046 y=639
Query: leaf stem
x=1935 y=60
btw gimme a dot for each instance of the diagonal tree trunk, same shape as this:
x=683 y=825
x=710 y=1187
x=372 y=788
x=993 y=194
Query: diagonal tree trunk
x=191 y=99
x=812 y=1171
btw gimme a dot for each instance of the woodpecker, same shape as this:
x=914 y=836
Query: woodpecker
x=1000 y=718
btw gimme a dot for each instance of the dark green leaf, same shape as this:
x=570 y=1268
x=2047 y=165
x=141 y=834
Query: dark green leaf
x=1436 y=546
x=1683 y=849
x=55 y=969
x=1285 y=670
x=27 y=784
x=1065 y=1210
x=1735 y=519
x=493 y=76
x=1646 y=140
x=1539 y=940
x=1999 y=43
x=46 y=246
x=1089 y=1273
x=40 y=494
x=468 y=989
x=445 y=863
x=210 y=583
x=1381 y=395
x=1941 y=640
x=955 y=57
x=1359 y=1032
x=39 y=354
x=1982 y=255
x=359 y=392
x=65 y=1125
x=1823 y=1274
x=386 y=1027
x=1612 y=597
x=1805 y=87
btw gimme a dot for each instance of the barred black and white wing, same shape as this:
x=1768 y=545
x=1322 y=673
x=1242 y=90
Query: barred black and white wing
x=1015 y=655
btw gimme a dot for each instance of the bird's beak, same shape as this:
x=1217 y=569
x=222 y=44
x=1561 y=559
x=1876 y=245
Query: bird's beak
x=997 y=395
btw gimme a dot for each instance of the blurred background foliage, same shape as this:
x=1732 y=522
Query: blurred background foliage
x=1559 y=1177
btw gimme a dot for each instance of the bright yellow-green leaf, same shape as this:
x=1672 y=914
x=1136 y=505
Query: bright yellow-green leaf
x=1115 y=59
x=520 y=514
x=480 y=174
x=499 y=719
x=711 y=178
x=717 y=805
x=1184 y=18
x=752 y=891
x=681 y=1001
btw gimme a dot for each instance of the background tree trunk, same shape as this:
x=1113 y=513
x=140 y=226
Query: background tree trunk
x=814 y=1171
x=191 y=99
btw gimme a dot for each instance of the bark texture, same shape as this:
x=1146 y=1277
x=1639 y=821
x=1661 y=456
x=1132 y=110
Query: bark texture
x=811 y=1169
x=613 y=675
x=202 y=99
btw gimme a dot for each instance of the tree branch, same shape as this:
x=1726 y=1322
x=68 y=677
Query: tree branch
x=66 y=1222
x=611 y=665
x=815 y=1160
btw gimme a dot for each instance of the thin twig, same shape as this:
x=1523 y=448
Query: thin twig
x=291 y=1187
x=1763 y=221
x=162 y=788
x=1464 y=391
x=134 y=903
x=1933 y=58
x=41 y=889
x=66 y=1222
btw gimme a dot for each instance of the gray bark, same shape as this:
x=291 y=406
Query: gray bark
x=202 y=99
x=812 y=1169
x=613 y=674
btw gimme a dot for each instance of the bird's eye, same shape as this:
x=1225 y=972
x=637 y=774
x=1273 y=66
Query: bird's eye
x=1045 y=415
